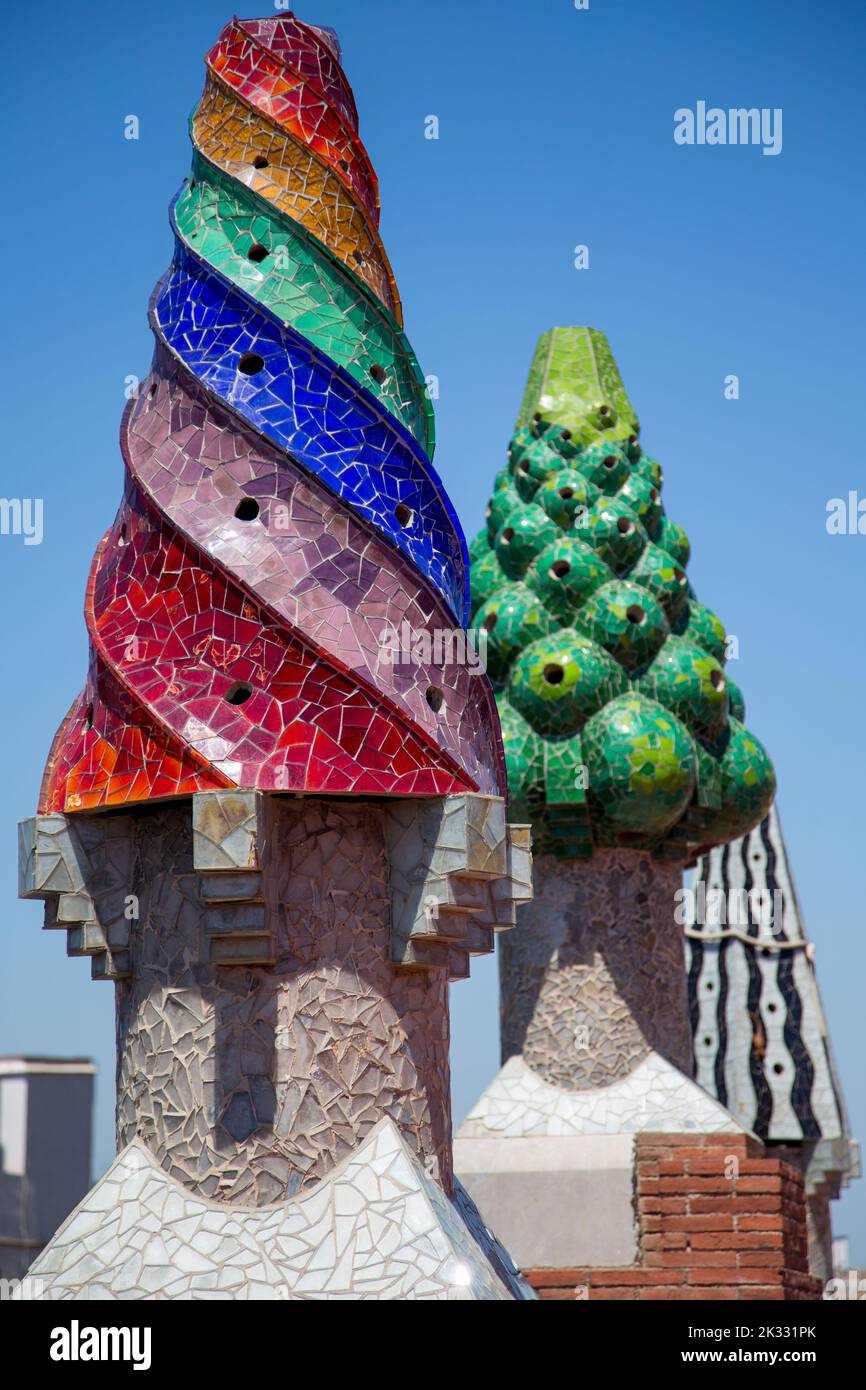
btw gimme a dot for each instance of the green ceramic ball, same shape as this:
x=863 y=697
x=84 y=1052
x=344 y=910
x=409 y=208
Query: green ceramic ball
x=479 y=546
x=605 y=465
x=565 y=574
x=736 y=703
x=524 y=763
x=567 y=496
x=560 y=438
x=648 y=467
x=523 y=535
x=521 y=440
x=504 y=501
x=666 y=581
x=641 y=764
x=614 y=530
x=748 y=785
x=709 y=790
x=485 y=577
x=687 y=680
x=626 y=620
x=512 y=618
x=705 y=629
x=644 y=498
x=559 y=681
x=632 y=447
x=536 y=464
x=673 y=539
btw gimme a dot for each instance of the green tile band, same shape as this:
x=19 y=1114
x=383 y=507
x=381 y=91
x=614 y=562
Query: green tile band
x=305 y=287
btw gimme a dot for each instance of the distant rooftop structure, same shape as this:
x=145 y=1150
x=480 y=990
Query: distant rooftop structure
x=46 y=1110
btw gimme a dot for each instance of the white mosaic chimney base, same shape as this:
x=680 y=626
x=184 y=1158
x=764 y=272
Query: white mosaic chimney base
x=376 y=1228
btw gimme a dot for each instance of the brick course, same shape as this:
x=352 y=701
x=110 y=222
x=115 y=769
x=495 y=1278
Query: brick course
x=703 y=1235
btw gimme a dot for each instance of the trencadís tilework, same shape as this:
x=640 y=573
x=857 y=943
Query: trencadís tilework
x=621 y=727
x=300 y=750
x=281 y=514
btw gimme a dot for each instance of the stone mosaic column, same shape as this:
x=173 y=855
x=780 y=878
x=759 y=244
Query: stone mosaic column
x=626 y=749
x=593 y=981
x=276 y=831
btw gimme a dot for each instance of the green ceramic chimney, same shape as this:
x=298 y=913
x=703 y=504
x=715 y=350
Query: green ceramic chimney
x=621 y=727
x=626 y=750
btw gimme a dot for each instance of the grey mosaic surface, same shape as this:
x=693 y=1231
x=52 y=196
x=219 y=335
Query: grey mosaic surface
x=278 y=1043
x=597 y=1048
x=377 y=1228
x=82 y=868
x=591 y=981
x=251 y=1083
x=458 y=873
x=264 y=1025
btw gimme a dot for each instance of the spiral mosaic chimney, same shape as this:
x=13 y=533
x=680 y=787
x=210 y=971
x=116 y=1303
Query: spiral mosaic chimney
x=626 y=749
x=277 y=836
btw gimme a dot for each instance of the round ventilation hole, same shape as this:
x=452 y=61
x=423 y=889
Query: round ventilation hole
x=257 y=253
x=378 y=373
x=717 y=680
x=554 y=674
x=559 y=569
x=247 y=509
x=434 y=698
x=490 y=622
x=403 y=514
x=566 y=492
x=624 y=526
x=238 y=694
x=508 y=535
x=635 y=613
x=260 y=162
x=251 y=363
x=604 y=410
x=566 y=434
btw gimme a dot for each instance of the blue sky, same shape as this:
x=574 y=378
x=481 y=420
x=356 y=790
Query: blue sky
x=556 y=129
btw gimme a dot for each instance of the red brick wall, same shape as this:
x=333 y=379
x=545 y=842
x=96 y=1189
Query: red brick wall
x=717 y=1219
